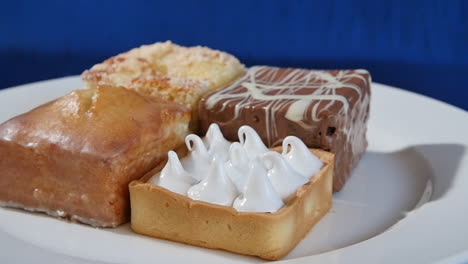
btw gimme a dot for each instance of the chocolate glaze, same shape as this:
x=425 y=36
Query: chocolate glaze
x=326 y=109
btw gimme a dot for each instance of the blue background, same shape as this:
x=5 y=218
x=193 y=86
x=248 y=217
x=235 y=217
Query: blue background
x=420 y=46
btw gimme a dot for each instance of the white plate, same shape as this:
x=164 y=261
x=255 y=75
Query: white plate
x=406 y=201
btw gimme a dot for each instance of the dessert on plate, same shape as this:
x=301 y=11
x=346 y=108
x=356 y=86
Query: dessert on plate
x=74 y=157
x=241 y=196
x=326 y=109
x=168 y=71
x=96 y=154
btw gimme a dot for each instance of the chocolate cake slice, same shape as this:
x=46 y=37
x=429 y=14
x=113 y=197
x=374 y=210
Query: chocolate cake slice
x=327 y=109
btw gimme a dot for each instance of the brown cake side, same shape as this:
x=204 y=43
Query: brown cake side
x=327 y=109
x=75 y=156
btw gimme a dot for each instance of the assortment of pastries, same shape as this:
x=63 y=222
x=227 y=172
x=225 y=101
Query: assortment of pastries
x=115 y=150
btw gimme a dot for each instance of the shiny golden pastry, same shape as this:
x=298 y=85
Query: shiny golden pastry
x=160 y=213
x=74 y=157
x=169 y=71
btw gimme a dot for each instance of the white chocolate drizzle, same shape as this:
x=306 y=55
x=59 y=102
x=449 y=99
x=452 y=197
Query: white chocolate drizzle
x=300 y=91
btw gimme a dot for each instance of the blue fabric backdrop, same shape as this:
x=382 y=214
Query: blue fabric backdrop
x=420 y=46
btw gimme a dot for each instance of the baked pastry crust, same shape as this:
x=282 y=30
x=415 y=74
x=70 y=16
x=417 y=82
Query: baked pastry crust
x=160 y=213
x=74 y=157
x=168 y=71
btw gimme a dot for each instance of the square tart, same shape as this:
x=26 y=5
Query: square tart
x=160 y=213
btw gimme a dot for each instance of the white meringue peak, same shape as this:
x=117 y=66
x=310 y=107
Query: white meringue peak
x=259 y=194
x=251 y=142
x=216 y=188
x=237 y=165
x=173 y=176
x=300 y=158
x=284 y=178
x=198 y=158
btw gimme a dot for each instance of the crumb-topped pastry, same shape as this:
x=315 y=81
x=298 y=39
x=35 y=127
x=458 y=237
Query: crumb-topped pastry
x=74 y=157
x=169 y=71
x=327 y=109
x=241 y=197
